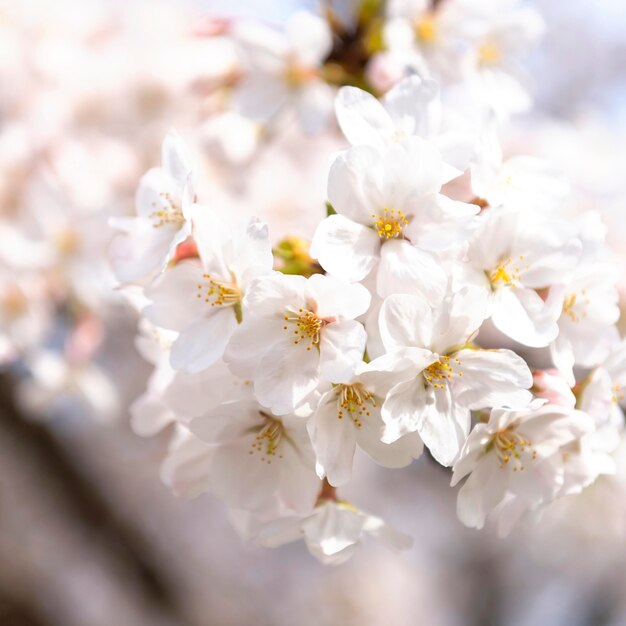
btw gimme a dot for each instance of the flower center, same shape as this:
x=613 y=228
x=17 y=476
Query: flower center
x=305 y=325
x=507 y=273
x=618 y=394
x=574 y=306
x=426 y=29
x=489 y=54
x=355 y=402
x=510 y=447
x=389 y=223
x=67 y=242
x=13 y=302
x=219 y=293
x=168 y=213
x=268 y=439
x=439 y=373
x=297 y=74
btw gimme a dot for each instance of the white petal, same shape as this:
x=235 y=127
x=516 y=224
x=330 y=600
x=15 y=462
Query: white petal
x=314 y=107
x=174 y=297
x=341 y=348
x=362 y=118
x=250 y=340
x=444 y=426
x=202 y=343
x=310 y=37
x=350 y=188
x=482 y=491
x=345 y=248
x=176 y=160
x=491 y=378
x=285 y=376
x=406 y=269
x=333 y=439
x=403 y=409
x=405 y=320
x=522 y=315
x=334 y=298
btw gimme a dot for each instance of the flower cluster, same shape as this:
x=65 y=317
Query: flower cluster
x=451 y=300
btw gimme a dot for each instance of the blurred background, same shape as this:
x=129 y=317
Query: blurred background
x=89 y=536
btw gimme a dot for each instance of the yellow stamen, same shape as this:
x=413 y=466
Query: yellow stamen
x=510 y=447
x=489 y=54
x=440 y=372
x=267 y=440
x=305 y=325
x=426 y=29
x=169 y=213
x=219 y=293
x=389 y=223
x=355 y=400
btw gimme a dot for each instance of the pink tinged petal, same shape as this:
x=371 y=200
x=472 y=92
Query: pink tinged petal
x=286 y=376
x=334 y=298
x=333 y=439
x=203 y=342
x=443 y=426
x=406 y=269
x=341 y=348
x=344 y=248
x=490 y=378
x=362 y=118
x=405 y=320
x=522 y=315
x=403 y=409
x=174 y=295
x=482 y=491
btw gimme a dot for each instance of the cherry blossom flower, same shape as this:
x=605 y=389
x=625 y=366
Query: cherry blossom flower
x=587 y=322
x=411 y=107
x=391 y=217
x=163 y=198
x=442 y=378
x=202 y=298
x=297 y=330
x=332 y=532
x=511 y=257
x=349 y=414
x=516 y=454
x=283 y=69
x=256 y=456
